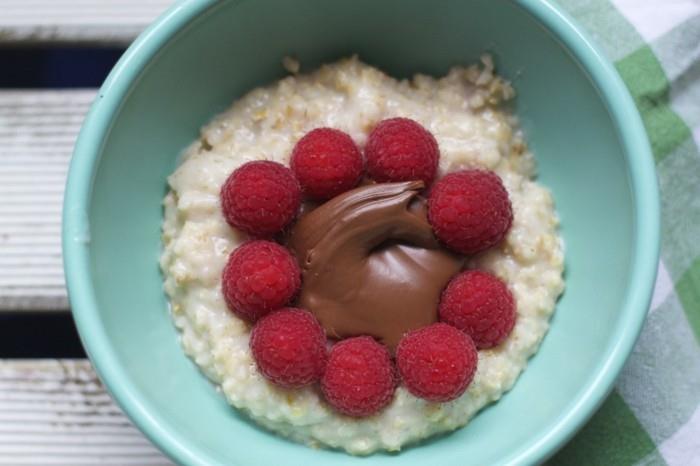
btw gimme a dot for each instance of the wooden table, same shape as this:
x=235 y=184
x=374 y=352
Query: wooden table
x=52 y=411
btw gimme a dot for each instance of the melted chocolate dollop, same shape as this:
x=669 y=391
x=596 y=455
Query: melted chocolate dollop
x=370 y=262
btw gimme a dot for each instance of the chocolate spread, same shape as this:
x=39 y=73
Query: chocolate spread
x=370 y=262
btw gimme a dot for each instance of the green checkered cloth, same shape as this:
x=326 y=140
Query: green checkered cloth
x=653 y=415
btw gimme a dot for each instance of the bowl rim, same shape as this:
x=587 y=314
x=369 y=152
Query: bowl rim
x=87 y=154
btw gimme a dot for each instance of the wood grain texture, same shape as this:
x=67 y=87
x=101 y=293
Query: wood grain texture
x=56 y=412
x=37 y=133
x=77 y=21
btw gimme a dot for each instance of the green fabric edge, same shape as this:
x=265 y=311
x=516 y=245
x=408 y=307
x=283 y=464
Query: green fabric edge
x=647 y=82
x=613 y=436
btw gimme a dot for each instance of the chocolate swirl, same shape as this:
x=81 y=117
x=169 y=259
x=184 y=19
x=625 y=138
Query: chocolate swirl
x=370 y=262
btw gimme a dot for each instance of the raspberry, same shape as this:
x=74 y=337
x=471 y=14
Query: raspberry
x=359 y=378
x=436 y=362
x=480 y=305
x=470 y=210
x=260 y=198
x=289 y=347
x=260 y=276
x=326 y=162
x=399 y=149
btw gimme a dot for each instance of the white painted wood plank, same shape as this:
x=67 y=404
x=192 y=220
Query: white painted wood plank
x=56 y=413
x=87 y=21
x=37 y=132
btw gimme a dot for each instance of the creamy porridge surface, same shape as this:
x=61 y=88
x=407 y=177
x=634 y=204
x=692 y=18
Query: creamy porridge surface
x=463 y=112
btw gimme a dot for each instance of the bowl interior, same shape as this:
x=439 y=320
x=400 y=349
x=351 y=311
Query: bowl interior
x=237 y=45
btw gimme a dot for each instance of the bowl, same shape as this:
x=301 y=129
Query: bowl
x=591 y=150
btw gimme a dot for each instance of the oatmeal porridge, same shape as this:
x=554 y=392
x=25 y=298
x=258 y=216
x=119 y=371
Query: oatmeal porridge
x=463 y=110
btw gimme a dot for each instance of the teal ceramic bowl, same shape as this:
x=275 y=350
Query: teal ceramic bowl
x=201 y=55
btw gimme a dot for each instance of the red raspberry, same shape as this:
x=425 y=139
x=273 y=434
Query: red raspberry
x=260 y=276
x=359 y=378
x=480 y=305
x=289 y=347
x=436 y=362
x=260 y=198
x=326 y=162
x=399 y=149
x=470 y=210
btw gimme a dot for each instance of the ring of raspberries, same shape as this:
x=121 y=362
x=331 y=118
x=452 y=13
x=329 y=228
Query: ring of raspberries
x=469 y=211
